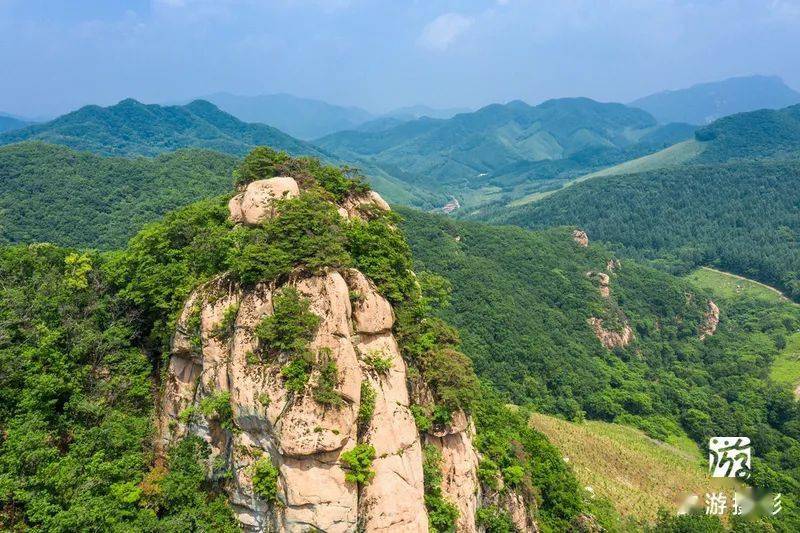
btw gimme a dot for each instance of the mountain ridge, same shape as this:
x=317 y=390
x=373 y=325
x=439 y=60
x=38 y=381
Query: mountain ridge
x=703 y=103
x=504 y=149
x=133 y=128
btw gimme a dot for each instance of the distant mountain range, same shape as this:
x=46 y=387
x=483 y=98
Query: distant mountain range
x=706 y=102
x=504 y=150
x=728 y=198
x=489 y=157
x=132 y=128
x=419 y=111
x=757 y=135
x=9 y=122
x=303 y=118
x=306 y=118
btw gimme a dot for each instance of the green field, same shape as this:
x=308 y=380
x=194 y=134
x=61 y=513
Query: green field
x=676 y=154
x=636 y=473
x=727 y=285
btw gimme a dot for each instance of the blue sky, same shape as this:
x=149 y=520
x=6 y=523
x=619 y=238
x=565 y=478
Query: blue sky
x=58 y=55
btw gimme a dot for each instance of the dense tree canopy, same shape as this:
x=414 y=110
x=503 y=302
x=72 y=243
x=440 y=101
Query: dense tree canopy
x=522 y=299
x=54 y=194
x=740 y=217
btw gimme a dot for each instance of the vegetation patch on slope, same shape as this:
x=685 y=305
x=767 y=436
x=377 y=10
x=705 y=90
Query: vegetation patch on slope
x=637 y=474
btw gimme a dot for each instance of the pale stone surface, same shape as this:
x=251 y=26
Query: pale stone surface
x=371 y=311
x=257 y=202
x=303 y=438
x=580 y=237
x=709 y=326
x=611 y=339
x=317 y=496
x=460 y=476
x=603 y=282
x=355 y=205
x=394 y=500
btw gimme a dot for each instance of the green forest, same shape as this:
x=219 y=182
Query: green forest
x=84 y=334
x=521 y=301
x=53 y=194
x=740 y=217
x=132 y=128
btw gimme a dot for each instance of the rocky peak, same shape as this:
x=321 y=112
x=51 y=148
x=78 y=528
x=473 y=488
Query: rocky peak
x=286 y=432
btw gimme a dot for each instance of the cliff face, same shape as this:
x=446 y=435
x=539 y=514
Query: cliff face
x=303 y=438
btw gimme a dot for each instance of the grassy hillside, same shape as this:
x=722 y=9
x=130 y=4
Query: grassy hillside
x=132 y=128
x=637 y=474
x=739 y=217
x=704 y=102
x=53 y=194
x=505 y=151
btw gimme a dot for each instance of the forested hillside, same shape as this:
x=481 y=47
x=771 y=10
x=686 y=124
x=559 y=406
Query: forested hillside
x=85 y=336
x=132 y=128
x=764 y=134
x=741 y=217
x=505 y=151
x=521 y=301
x=53 y=194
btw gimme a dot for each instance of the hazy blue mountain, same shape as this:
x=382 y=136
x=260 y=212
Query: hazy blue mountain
x=10 y=122
x=705 y=102
x=303 y=118
x=133 y=128
x=381 y=124
x=418 y=111
x=505 y=151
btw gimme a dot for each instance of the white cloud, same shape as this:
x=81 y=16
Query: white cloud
x=442 y=31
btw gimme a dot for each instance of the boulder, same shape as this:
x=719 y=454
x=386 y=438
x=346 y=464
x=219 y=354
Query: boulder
x=257 y=202
x=580 y=237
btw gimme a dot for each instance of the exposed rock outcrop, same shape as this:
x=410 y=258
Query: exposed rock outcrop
x=256 y=202
x=303 y=438
x=603 y=282
x=356 y=206
x=711 y=321
x=460 y=471
x=611 y=339
x=580 y=237
x=216 y=353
